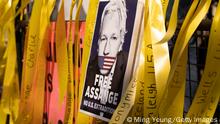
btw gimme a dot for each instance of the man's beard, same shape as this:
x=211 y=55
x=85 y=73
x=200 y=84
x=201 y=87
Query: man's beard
x=105 y=64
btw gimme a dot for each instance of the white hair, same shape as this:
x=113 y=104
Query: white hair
x=120 y=7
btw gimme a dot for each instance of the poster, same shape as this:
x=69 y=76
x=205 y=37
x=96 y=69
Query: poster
x=111 y=61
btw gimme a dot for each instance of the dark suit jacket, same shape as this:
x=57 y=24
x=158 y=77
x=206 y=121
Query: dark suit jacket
x=117 y=81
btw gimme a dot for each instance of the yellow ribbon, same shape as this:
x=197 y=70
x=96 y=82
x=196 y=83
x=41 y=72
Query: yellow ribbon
x=69 y=111
x=90 y=24
x=34 y=66
x=172 y=23
x=165 y=4
x=189 y=26
x=10 y=94
x=76 y=56
x=61 y=47
x=150 y=92
x=46 y=10
x=2 y=116
x=160 y=51
x=207 y=95
x=156 y=57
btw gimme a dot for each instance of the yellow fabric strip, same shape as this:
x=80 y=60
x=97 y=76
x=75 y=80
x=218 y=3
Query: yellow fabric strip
x=62 y=60
x=10 y=94
x=4 y=11
x=2 y=116
x=90 y=24
x=150 y=92
x=1 y=39
x=180 y=45
x=127 y=100
x=160 y=51
x=34 y=65
x=76 y=57
x=188 y=27
x=2 y=63
x=33 y=47
x=40 y=83
x=186 y=21
x=138 y=107
x=165 y=4
x=69 y=103
x=24 y=3
x=46 y=10
x=156 y=58
x=207 y=95
x=9 y=70
x=69 y=111
x=2 y=4
x=50 y=4
x=177 y=87
x=47 y=7
x=212 y=102
x=172 y=23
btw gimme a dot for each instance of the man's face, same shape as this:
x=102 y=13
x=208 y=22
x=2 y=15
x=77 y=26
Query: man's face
x=109 y=42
